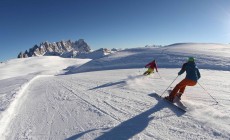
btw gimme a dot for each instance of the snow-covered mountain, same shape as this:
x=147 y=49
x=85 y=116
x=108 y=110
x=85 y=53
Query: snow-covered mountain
x=50 y=97
x=66 y=49
x=97 y=53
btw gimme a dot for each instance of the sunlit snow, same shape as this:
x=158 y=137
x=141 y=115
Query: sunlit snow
x=108 y=98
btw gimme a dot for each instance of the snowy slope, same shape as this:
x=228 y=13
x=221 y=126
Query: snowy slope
x=208 y=56
x=37 y=65
x=17 y=74
x=118 y=103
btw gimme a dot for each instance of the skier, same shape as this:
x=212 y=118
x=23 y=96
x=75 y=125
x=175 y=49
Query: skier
x=192 y=76
x=150 y=67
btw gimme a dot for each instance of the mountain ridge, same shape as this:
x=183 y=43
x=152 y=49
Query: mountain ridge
x=61 y=48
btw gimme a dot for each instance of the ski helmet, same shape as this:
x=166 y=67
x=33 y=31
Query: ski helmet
x=191 y=59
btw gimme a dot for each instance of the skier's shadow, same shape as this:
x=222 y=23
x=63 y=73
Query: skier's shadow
x=121 y=83
x=74 y=137
x=131 y=127
x=137 y=124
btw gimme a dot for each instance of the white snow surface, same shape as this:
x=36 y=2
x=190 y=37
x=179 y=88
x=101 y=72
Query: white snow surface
x=17 y=74
x=58 y=98
x=208 y=56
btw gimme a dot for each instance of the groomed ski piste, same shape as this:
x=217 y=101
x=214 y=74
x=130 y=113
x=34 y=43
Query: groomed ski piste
x=52 y=98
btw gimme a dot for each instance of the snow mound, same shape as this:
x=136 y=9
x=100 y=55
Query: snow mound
x=37 y=65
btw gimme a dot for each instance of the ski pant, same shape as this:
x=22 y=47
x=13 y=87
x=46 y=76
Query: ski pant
x=149 y=71
x=181 y=87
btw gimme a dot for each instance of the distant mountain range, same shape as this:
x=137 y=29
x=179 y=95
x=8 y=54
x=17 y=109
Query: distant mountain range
x=67 y=49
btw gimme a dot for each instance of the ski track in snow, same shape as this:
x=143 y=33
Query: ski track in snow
x=18 y=101
x=117 y=107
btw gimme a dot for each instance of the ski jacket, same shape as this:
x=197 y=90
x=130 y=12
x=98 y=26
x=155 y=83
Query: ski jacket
x=192 y=72
x=152 y=65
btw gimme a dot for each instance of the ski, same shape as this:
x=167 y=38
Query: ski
x=176 y=103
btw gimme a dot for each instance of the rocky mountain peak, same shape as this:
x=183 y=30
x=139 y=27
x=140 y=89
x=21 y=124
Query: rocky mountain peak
x=61 y=48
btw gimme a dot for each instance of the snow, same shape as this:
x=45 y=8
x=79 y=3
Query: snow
x=208 y=56
x=18 y=74
x=36 y=65
x=108 y=98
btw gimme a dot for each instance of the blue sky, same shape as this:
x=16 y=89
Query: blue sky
x=111 y=23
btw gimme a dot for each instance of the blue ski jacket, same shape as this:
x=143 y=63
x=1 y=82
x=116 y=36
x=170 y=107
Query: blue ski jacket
x=192 y=71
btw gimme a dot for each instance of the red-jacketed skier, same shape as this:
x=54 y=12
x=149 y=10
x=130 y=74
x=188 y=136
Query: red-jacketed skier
x=192 y=76
x=151 y=66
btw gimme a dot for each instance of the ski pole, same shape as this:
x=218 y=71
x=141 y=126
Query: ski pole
x=170 y=85
x=208 y=93
x=159 y=74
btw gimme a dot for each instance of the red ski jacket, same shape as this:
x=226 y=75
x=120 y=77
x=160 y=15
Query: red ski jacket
x=152 y=65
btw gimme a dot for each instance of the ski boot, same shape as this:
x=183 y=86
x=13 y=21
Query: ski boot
x=169 y=99
x=179 y=94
